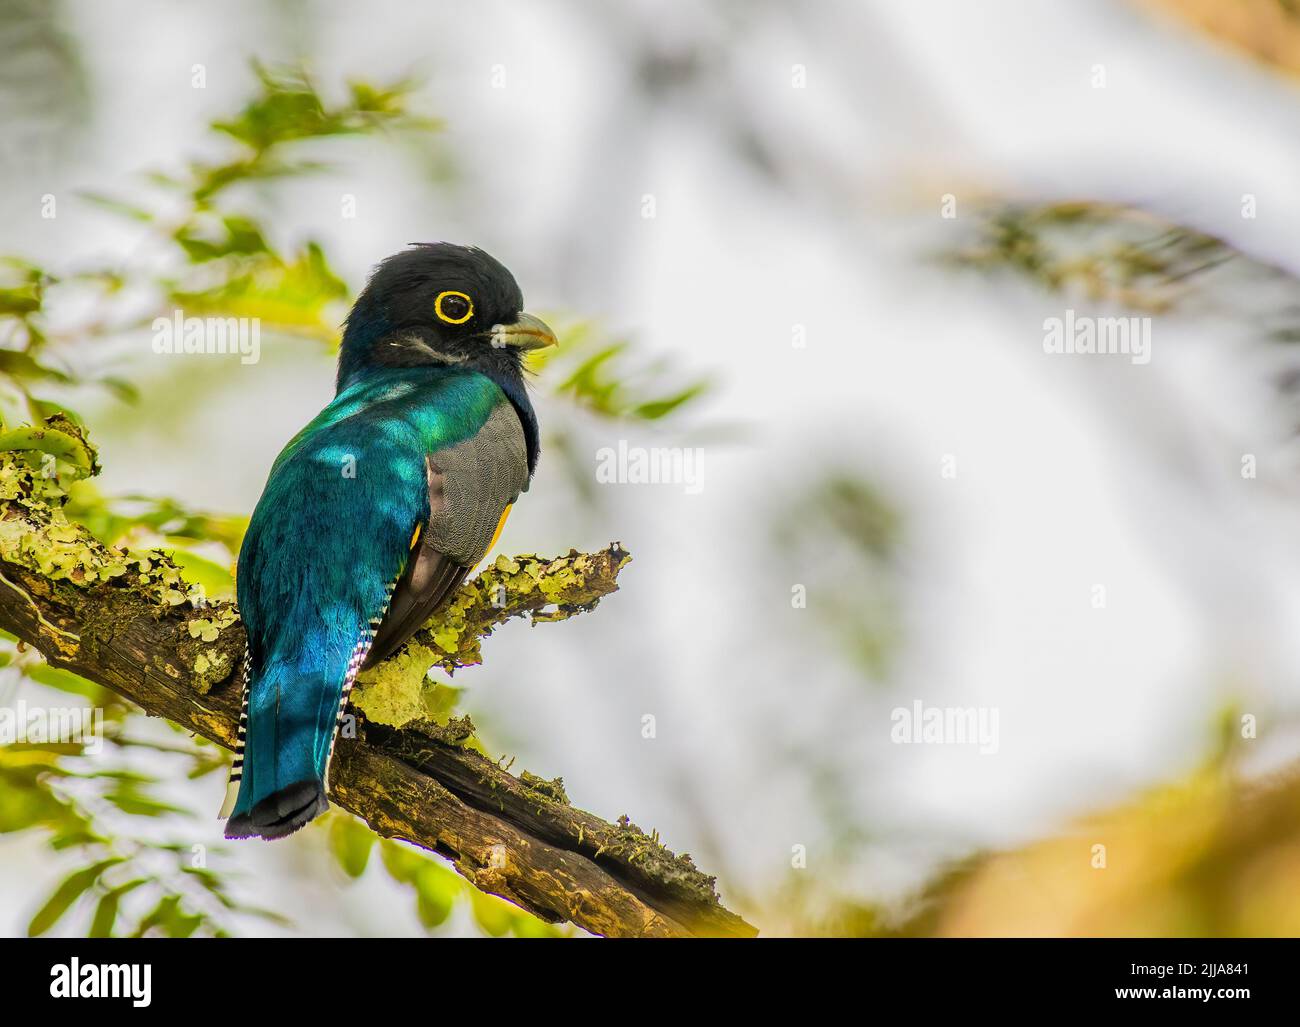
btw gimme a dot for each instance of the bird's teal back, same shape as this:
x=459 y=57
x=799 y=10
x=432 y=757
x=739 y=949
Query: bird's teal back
x=325 y=545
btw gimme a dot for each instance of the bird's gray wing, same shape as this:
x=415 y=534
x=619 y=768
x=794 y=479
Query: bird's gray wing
x=472 y=486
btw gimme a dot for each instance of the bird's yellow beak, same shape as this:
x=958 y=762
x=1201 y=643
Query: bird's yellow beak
x=528 y=332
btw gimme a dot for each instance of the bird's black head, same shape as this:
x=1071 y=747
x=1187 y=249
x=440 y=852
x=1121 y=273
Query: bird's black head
x=438 y=303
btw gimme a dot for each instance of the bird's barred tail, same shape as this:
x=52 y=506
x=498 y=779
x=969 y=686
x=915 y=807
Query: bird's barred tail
x=253 y=809
x=355 y=663
x=237 y=765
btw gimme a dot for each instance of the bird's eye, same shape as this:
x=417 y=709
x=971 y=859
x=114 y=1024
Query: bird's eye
x=453 y=307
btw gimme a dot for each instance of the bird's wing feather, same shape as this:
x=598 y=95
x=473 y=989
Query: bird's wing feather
x=471 y=487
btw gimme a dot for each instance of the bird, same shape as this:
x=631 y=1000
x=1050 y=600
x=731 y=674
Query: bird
x=375 y=512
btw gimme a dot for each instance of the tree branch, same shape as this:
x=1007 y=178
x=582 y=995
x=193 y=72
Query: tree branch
x=130 y=622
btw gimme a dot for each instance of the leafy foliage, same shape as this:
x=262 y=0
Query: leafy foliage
x=1109 y=253
x=128 y=881
x=1103 y=251
x=598 y=378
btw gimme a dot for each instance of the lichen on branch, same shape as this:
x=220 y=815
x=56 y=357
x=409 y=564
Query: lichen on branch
x=400 y=691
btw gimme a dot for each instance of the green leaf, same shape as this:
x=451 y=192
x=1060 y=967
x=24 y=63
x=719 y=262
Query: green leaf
x=21 y=364
x=121 y=388
x=143 y=806
x=199 y=570
x=401 y=863
x=171 y=919
x=604 y=384
x=181 y=924
x=106 y=912
x=101 y=925
x=66 y=681
x=233 y=235
x=117 y=206
x=436 y=891
x=160 y=914
x=289 y=108
x=297 y=295
x=351 y=842
x=65 y=895
x=657 y=408
x=20 y=301
x=492 y=914
x=59 y=437
x=75 y=838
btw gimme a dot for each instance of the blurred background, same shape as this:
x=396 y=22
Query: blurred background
x=816 y=244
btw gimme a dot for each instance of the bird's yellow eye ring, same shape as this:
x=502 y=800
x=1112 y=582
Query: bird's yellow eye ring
x=453 y=307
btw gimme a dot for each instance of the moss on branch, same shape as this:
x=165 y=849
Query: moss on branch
x=399 y=691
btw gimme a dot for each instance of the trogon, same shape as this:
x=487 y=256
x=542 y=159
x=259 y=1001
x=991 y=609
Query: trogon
x=375 y=512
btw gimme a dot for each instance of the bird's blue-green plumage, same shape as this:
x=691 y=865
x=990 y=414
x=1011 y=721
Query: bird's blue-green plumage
x=430 y=432
x=328 y=540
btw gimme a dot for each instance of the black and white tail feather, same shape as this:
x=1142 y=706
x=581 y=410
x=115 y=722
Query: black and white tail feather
x=237 y=764
x=313 y=808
